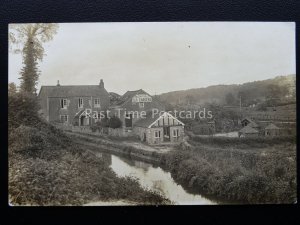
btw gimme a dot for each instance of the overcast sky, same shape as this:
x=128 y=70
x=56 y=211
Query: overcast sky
x=163 y=57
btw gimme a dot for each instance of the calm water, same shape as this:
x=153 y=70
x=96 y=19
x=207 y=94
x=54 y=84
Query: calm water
x=156 y=179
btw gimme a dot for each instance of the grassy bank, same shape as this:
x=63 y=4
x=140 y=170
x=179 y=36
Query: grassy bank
x=47 y=168
x=254 y=171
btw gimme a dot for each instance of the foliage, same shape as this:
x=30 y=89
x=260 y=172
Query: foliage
x=31 y=37
x=12 y=88
x=235 y=175
x=251 y=92
x=22 y=109
x=47 y=168
x=230 y=99
x=115 y=122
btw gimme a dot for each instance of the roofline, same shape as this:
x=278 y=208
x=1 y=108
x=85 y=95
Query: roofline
x=137 y=91
x=163 y=115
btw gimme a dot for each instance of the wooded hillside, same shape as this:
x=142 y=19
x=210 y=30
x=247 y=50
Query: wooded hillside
x=251 y=92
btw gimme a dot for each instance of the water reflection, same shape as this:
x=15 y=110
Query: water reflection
x=156 y=179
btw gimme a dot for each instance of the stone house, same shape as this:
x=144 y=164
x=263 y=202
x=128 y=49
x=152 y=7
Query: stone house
x=78 y=105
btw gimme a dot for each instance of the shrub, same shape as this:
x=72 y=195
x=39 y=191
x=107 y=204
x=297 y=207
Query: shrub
x=22 y=109
x=237 y=176
x=115 y=122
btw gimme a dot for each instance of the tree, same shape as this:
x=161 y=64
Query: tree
x=190 y=99
x=12 y=88
x=30 y=37
x=230 y=99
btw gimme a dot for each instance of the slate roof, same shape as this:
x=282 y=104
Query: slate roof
x=248 y=130
x=271 y=127
x=147 y=121
x=72 y=91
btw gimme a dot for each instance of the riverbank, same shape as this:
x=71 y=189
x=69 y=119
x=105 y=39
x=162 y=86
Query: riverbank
x=247 y=171
x=127 y=148
x=225 y=169
x=47 y=168
x=65 y=174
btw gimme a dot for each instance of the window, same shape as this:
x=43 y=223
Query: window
x=157 y=134
x=97 y=102
x=64 y=118
x=64 y=103
x=80 y=103
x=141 y=104
x=176 y=133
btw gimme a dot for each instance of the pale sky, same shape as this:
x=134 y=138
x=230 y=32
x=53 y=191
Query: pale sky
x=161 y=57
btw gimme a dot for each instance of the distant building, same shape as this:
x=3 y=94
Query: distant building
x=272 y=130
x=248 y=131
x=246 y=121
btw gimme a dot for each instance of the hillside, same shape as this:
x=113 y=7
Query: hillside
x=251 y=92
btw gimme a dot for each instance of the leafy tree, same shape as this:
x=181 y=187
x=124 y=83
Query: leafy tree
x=30 y=37
x=12 y=88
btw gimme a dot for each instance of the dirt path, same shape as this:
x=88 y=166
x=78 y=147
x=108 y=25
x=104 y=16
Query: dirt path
x=93 y=139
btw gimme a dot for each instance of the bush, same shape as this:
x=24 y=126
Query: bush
x=236 y=176
x=115 y=122
x=257 y=142
x=22 y=109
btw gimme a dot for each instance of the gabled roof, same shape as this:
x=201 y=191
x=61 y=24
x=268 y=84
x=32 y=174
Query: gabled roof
x=272 y=127
x=248 y=130
x=247 y=118
x=150 y=119
x=128 y=96
x=147 y=121
x=72 y=91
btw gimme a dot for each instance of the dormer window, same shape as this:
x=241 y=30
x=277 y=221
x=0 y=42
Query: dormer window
x=80 y=103
x=64 y=103
x=97 y=102
x=141 y=104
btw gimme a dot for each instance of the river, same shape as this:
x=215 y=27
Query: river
x=156 y=179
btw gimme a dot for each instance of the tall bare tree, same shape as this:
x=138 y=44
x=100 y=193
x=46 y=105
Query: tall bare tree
x=28 y=40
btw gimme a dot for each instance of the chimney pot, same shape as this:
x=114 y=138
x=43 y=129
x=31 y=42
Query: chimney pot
x=58 y=83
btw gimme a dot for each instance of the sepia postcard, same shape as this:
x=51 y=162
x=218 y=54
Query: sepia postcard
x=152 y=113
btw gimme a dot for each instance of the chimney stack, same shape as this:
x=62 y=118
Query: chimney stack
x=101 y=83
x=58 y=83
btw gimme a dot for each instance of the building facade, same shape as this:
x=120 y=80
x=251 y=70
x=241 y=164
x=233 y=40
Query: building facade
x=79 y=105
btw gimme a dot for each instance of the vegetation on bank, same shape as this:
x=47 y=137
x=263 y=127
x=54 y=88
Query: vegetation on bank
x=243 y=143
x=47 y=168
x=256 y=173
